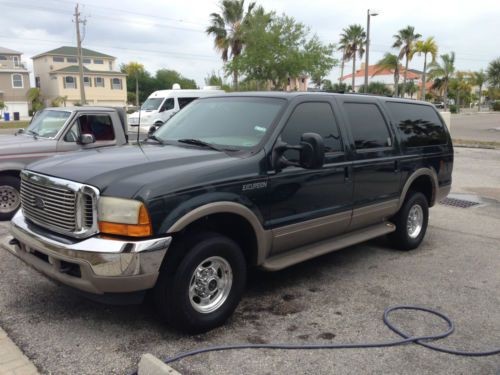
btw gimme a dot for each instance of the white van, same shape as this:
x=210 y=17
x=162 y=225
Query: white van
x=162 y=104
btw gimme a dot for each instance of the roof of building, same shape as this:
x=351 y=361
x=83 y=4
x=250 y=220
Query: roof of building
x=73 y=51
x=9 y=51
x=76 y=69
x=374 y=70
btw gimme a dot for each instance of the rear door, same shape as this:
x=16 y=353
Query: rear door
x=376 y=164
x=307 y=205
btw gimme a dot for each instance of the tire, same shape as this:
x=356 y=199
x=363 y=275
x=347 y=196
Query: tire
x=410 y=232
x=193 y=303
x=10 y=197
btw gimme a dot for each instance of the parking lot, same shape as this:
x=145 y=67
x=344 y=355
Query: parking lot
x=337 y=298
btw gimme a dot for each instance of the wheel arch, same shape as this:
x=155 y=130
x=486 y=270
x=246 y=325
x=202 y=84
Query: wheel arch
x=424 y=180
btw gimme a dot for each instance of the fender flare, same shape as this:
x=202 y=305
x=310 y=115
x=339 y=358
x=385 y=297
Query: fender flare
x=431 y=173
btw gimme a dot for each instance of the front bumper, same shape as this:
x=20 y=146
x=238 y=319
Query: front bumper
x=95 y=265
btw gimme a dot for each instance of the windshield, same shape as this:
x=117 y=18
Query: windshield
x=151 y=104
x=234 y=122
x=47 y=123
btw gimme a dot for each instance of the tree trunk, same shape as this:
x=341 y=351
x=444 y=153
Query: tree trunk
x=404 y=78
x=235 y=79
x=137 y=90
x=353 y=70
x=342 y=67
x=479 y=101
x=424 y=77
x=445 y=97
x=396 y=83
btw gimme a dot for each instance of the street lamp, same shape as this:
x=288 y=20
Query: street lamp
x=369 y=14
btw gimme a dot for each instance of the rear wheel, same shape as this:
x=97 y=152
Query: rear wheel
x=10 y=198
x=202 y=284
x=411 y=222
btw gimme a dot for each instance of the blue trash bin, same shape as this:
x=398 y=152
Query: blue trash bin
x=6 y=116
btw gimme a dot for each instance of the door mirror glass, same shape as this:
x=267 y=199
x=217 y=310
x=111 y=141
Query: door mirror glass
x=86 y=139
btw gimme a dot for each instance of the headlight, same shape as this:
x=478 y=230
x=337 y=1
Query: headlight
x=124 y=217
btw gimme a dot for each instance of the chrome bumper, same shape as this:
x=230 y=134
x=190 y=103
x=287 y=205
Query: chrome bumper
x=96 y=265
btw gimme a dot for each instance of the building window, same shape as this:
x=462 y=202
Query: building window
x=17 y=81
x=15 y=60
x=87 y=82
x=69 y=82
x=71 y=59
x=58 y=59
x=87 y=60
x=37 y=82
x=99 y=82
x=116 y=84
x=3 y=57
x=111 y=65
x=98 y=61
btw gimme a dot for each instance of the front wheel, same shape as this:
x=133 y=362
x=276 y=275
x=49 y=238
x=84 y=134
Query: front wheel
x=201 y=291
x=10 y=198
x=411 y=222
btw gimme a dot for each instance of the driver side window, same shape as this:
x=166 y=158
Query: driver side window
x=73 y=133
x=167 y=105
x=313 y=117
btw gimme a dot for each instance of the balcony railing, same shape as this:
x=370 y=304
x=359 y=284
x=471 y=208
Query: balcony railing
x=10 y=65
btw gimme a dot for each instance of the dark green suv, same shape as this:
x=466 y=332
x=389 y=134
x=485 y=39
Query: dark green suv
x=240 y=180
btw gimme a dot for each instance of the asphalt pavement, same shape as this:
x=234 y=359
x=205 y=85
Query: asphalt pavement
x=336 y=298
x=476 y=126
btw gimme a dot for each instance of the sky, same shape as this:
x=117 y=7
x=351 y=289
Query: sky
x=170 y=33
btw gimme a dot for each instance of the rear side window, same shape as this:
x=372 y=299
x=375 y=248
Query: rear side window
x=184 y=101
x=368 y=126
x=419 y=125
x=313 y=118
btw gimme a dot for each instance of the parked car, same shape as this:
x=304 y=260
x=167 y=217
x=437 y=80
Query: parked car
x=267 y=180
x=162 y=104
x=53 y=131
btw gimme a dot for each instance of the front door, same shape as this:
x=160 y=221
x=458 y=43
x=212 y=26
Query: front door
x=307 y=205
x=376 y=170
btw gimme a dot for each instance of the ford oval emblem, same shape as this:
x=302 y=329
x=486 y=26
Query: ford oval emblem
x=39 y=203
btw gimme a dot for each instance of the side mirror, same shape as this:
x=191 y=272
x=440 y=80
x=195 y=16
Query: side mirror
x=86 y=139
x=312 y=154
x=151 y=130
x=311 y=149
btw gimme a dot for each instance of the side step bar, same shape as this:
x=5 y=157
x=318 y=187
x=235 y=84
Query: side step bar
x=310 y=251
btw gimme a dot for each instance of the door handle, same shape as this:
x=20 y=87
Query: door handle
x=396 y=166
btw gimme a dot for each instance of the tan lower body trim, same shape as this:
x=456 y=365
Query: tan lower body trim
x=375 y=213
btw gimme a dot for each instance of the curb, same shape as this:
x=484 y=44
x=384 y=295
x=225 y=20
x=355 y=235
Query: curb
x=12 y=359
x=150 y=365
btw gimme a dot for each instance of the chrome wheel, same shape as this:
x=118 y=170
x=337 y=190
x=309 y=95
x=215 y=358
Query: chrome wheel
x=9 y=199
x=415 y=221
x=210 y=284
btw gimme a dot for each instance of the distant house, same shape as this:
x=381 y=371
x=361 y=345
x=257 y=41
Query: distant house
x=56 y=74
x=384 y=76
x=14 y=82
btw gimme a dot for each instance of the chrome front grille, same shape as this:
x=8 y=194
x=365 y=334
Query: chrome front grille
x=59 y=205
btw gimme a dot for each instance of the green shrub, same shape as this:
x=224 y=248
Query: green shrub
x=453 y=108
x=496 y=106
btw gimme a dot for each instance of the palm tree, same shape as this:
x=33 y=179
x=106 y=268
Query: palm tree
x=494 y=73
x=389 y=62
x=444 y=72
x=479 y=79
x=227 y=29
x=426 y=47
x=355 y=38
x=342 y=46
x=34 y=96
x=405 y=39
x=134 y=69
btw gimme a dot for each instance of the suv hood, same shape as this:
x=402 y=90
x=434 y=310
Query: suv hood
x=123 y=171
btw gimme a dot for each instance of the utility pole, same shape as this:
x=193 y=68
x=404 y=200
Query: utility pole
x=78 y=21
x=367 y=54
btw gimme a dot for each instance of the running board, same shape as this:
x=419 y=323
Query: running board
x=310 y=251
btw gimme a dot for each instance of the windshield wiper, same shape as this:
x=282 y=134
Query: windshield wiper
x=199 y=142
x=35 y=134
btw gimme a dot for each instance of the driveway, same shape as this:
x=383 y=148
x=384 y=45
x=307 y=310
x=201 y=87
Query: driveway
x=337 y=298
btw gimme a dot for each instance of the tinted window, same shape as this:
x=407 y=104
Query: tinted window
x=368 y=126
x=184 y=101
x=419 y=125
x=167 y=105
x=312 y=118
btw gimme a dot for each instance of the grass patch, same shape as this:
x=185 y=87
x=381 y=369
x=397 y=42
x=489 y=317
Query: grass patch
x=473 y=143
x=13 y=124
